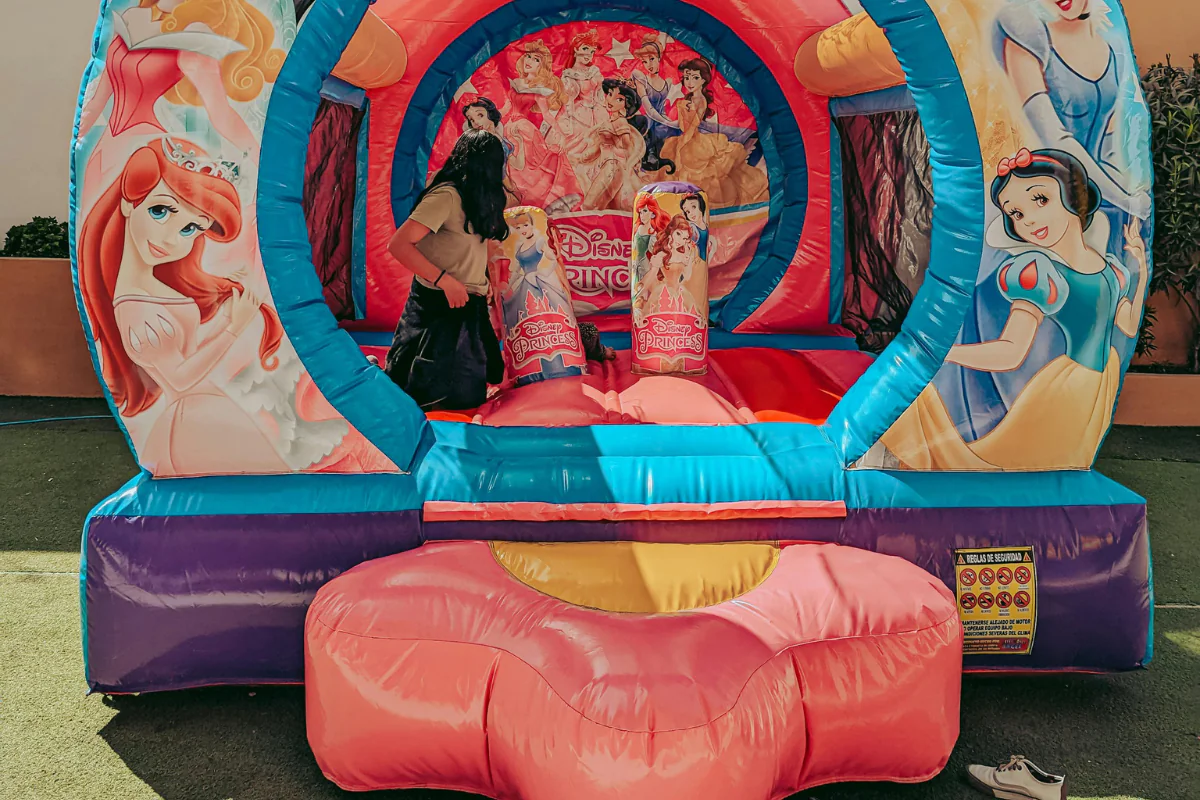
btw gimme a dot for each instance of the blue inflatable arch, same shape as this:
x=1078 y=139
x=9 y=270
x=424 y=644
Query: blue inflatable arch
x=393 y=421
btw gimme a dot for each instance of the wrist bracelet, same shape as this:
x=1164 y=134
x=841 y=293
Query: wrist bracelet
x=439 y=278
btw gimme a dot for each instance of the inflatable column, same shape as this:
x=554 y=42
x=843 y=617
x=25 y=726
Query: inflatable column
x=669 y=284
x=538 y=328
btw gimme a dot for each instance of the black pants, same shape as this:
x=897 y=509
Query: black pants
x=444 y=357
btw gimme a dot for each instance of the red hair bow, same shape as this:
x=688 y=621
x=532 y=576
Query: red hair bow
x=1023 y=158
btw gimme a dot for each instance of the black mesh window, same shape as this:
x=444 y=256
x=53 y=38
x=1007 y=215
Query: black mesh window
x=888 y=194
x=329 y=200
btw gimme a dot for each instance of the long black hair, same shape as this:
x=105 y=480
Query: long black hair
x=632 y=101
x=1080 y=194
x=476 y=169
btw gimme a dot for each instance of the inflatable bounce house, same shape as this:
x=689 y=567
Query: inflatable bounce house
x=872 y=275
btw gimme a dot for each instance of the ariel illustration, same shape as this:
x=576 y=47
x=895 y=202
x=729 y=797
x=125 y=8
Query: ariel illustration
x=710 y=160
x=582 y=83
x=613 y=152
x=1063 y=412
x=165 y=326
x=1066 y=73
x=650 y=221
x=191 y=52
x=534 y=174
x=673 y=258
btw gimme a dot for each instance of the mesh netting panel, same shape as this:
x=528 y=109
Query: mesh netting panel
x=329 y=200
x=888 y=193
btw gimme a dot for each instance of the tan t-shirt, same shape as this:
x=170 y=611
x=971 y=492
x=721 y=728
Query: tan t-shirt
x=450 y=247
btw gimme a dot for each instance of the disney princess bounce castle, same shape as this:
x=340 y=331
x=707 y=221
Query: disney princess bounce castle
x=872 y=275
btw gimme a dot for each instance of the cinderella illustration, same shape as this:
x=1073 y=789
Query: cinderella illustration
x=536 y=275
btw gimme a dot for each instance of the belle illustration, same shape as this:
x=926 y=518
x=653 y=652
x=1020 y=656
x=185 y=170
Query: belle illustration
x=710 y=160
x=1068 y=77
x=164 y=326
x=1061 y=415
x=189 y=52
x=612 y=156
x=534 y=174
x=673 y=259
x=583 y=85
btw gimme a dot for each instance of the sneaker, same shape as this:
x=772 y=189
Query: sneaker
x=1019 y=779
x=373 y=361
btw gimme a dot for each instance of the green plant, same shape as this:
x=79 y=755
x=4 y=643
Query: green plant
x=1173 y=96
x=45 y=237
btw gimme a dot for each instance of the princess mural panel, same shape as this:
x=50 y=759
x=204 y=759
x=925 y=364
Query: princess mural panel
x=611 y=98
x=589 y=112
x=1065 y=270
x=188 y=341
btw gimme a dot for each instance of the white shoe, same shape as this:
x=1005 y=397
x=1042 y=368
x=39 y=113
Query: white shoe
x=1019 y=779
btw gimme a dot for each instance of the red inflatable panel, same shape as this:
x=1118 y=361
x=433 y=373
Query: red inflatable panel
x=438 y=668
x=743 y=385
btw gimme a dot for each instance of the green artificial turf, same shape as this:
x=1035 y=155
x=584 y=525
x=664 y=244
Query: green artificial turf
x=1124 y=737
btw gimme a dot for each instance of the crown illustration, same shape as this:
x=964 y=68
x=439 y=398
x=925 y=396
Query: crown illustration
x=185 y=155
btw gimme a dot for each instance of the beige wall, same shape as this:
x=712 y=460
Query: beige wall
x=1164 y=27
x=44 y=47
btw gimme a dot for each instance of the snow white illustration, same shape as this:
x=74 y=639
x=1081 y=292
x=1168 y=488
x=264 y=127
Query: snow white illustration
x=1048 y=204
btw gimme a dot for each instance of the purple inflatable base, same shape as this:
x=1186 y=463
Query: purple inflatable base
x=179 y=602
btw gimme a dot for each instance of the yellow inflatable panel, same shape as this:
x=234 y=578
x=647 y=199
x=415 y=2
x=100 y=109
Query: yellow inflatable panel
x=376 y=56
x=848 y=58
x=636 y=577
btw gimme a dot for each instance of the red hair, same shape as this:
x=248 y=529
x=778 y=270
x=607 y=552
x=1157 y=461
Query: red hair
x=662 y=244
x=102 y=246
x=589 y=38
x=661 y=218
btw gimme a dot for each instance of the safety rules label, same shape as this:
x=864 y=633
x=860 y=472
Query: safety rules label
x=997 y=599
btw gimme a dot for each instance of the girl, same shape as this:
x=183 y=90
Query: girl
x=1063 y=412
x=225 y=56
x=163 y=325
x=710 y=160
x=445 y=352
